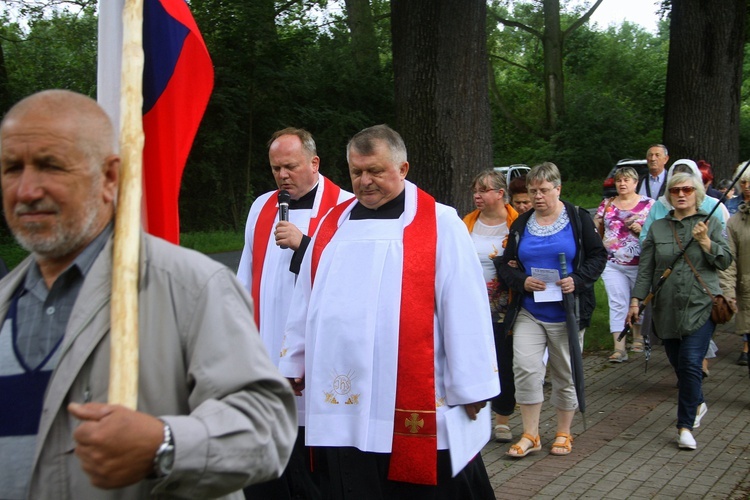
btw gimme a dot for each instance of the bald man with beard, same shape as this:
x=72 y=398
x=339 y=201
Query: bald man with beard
x=213 y=414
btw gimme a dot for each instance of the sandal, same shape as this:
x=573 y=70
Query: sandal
x=565 y=447
x=536 y=445
x=618 y=356
x=637 y=346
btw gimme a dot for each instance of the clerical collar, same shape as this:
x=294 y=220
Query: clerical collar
x=305 y=201
x=389 y=210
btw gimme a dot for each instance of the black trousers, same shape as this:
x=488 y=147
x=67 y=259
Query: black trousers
x=296 y=483
x=351 y=474
x=505 y=402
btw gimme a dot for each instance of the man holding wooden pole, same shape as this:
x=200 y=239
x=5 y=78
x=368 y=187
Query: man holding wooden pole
x=213 y=414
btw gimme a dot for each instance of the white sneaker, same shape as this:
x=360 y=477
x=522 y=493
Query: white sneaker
x=685 y=440
x=699 y=414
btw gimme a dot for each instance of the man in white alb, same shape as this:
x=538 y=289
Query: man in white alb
x=391 y=330
x=273 y=250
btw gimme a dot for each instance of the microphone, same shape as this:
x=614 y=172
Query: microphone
x=284 y=199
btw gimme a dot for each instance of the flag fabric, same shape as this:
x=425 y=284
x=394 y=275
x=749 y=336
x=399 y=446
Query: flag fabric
x=177 y=83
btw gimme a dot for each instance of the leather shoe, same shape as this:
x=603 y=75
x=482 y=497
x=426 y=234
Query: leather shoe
x=685 y=440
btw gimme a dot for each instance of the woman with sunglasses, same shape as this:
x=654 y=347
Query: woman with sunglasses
x=619 y=221
x=682 y=307
x=662 y=206
x=488 y=226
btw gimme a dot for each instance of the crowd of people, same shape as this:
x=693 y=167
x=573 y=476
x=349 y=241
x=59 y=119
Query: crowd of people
x=362 y=333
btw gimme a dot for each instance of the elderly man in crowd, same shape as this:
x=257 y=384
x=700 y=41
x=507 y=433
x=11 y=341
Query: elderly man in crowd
x=654 y=182
x=213 y=414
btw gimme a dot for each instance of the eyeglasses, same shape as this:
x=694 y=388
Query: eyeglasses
x=680 y=189
x=482 y=191
x=542 y=191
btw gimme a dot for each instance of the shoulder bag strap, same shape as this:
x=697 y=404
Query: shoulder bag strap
x=695 y=271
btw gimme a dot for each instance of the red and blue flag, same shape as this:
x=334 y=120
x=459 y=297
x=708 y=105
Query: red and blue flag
x=177 y=83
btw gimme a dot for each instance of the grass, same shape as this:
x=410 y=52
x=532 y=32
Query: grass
x=598 y=336
x=213 y=241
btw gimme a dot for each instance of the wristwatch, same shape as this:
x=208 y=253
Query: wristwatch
x=164 y=458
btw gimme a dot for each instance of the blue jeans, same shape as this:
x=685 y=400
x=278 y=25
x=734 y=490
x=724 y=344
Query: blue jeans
x=686 y=357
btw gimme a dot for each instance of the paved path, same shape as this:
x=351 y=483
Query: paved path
x=229 y=259
x=629 y=448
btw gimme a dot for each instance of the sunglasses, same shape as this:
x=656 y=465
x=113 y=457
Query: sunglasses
x=682 y=189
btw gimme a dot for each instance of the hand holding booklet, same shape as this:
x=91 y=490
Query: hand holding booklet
x=553 y=293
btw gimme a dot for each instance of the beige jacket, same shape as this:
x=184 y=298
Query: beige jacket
x=735 y=281
x=203 y=369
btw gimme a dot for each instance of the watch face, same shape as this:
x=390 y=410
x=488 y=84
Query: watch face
x=166 y=461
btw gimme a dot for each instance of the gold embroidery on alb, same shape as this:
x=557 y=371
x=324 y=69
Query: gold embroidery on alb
x=342 y=385
x=284 y=349
x=439 y=402
x=414 y=423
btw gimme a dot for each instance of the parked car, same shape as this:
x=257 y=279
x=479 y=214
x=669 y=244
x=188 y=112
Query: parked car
x=512 y=171
x=609 y=190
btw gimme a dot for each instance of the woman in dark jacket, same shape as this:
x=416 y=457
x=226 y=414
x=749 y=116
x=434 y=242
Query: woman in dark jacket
x=536 y=240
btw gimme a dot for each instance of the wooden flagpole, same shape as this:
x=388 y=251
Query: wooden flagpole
x=123 y=377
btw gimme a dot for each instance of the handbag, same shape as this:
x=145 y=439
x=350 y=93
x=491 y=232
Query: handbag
x=721 y=310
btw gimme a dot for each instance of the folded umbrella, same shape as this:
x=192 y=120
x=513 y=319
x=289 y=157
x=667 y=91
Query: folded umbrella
x=574 y=343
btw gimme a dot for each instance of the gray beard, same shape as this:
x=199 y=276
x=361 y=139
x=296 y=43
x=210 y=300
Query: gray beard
x=64 y=240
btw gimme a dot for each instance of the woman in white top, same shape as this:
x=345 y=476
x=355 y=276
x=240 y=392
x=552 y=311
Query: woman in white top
x=488 y=226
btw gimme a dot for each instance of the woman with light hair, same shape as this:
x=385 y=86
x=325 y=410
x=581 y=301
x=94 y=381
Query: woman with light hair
x=489 y=225
x=682 y=306
x=662 y=207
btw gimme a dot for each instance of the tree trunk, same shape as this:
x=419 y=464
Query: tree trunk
x=704 y=75
x=6 y=99
x=362 y=29
x=552 y=42
x=441 y=89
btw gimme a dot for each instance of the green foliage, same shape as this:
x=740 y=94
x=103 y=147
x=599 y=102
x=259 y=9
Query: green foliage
x=55 y=51
x=582 y=192
x=614 y=85
x=276 y=66
x=10 y=252
x=281 y=64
